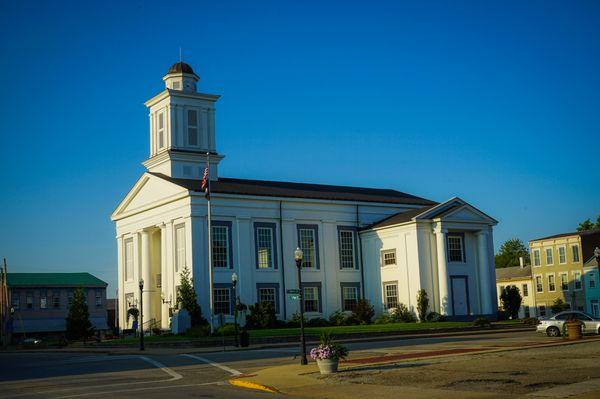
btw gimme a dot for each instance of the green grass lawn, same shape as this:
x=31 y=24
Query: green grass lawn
x=311 y=331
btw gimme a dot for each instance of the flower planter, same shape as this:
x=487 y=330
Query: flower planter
x=573 y=330
x=328 y=366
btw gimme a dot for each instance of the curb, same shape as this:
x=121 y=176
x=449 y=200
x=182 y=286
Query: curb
x=238 y=382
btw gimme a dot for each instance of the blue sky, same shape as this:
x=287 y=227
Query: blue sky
x=496 y=102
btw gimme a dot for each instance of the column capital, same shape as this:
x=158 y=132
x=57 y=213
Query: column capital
x=161 y=225
x=439 y=230
x=481 y=233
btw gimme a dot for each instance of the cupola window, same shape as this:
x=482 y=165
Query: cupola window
x=192 y=127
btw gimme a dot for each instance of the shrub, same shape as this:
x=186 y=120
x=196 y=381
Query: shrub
x=435 y=317
x=402 y=314
x=186 y=297
x=530 y=321
x=295 y=320
x=383 y=319
x=339 y=318
x=422 y=304
x=200 y=331
x=363 y=312
x=227 y=329
x=262 y=315
x=481 y=321
x=318 y=322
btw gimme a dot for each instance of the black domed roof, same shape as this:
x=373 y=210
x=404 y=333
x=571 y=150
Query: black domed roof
x=181 y=67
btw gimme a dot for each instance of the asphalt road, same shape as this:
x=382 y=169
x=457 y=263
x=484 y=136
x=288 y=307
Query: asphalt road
x=80 y=375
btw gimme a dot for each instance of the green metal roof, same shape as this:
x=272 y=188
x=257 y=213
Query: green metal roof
x=54 y=279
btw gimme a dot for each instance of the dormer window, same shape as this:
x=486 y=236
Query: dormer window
x=192 y=127
x=161 y=130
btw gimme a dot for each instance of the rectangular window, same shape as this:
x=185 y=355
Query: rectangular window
x=179 y=247
x=536 y=257
x=268 y=294
x=98 y=298
x=347 y=251
x=56 y=300
x=549 y=259
x=29 y=301
x=307 y=241
x=220 y=246
x=161 y=130
x=564 y=282
x=575 y=253
x=15 y=300
x=311 y=299
x=551 y=283
x=222 y=300
x=538 y=284
x=525 y=288
x=43 y=301
x=192 y=127
x=592 y=280
x=70 y=298
x=128 y=259
x=391 y=295
x=542 y=310
x=129 y=301
x=158 y=280
x=577 y=281
x=264 y=236
x=388 y=257
x=562 y=255
x=527 y=313
x=349 y=297
x=455 y=248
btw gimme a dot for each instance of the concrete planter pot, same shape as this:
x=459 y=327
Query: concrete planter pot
x=573 y=330
x=328 y=366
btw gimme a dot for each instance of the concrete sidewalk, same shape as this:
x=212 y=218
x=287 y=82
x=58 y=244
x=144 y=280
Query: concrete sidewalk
x=157 y=349
x=306 y=381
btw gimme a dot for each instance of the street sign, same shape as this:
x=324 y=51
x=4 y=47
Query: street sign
x=295 y=297
x=292 y=291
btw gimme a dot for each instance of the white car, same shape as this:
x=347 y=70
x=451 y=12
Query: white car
x=553 y=326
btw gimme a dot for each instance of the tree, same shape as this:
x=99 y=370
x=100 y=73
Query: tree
x=422 y=304
x=510 y=252
x=186 y=296
x=78 y=319
x=587 y=224
x=511 y=300
x=559 y=306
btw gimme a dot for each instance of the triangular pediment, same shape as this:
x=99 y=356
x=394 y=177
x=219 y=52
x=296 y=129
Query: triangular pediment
x=456 y=210
x=150 y=191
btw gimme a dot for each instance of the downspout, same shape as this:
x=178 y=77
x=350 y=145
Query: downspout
x=284 y=302
x=362 y=271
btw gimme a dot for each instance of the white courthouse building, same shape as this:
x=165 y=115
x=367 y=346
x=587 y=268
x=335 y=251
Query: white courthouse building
x=378 y=244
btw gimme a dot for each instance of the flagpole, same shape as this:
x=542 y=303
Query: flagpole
x=210 y=269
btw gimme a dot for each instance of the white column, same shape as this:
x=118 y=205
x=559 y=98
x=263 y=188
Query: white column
x=164 y=276
x=121 y=308
x=445 y=300
x=485 y=279
x=146 y=275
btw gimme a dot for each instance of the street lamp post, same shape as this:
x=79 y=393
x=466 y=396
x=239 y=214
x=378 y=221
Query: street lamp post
x=298 y=257
x=141 y=314
x=234 y=279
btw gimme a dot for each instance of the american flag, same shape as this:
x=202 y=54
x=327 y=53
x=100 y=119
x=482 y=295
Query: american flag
x=205 y=182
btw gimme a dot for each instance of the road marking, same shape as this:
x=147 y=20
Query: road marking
x=174 y=374
x=215 y=364
x=143 y=389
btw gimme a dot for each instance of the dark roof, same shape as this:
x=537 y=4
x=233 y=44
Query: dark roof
x=397 y=218
x=54 y=280
x=266 y=188
x=513 y=273
x=575 y=233
x=181 y=67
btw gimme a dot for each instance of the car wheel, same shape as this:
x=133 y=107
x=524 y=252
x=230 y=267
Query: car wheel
x=553 y=332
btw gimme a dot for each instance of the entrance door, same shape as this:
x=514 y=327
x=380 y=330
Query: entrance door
x=460 y=295
x=595 y=308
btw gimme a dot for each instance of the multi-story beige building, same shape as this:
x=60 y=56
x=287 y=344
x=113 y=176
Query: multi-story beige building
x=557 y=269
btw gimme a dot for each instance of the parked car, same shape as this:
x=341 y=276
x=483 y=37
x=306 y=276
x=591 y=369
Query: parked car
x=31 y=341
x=553 y=326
